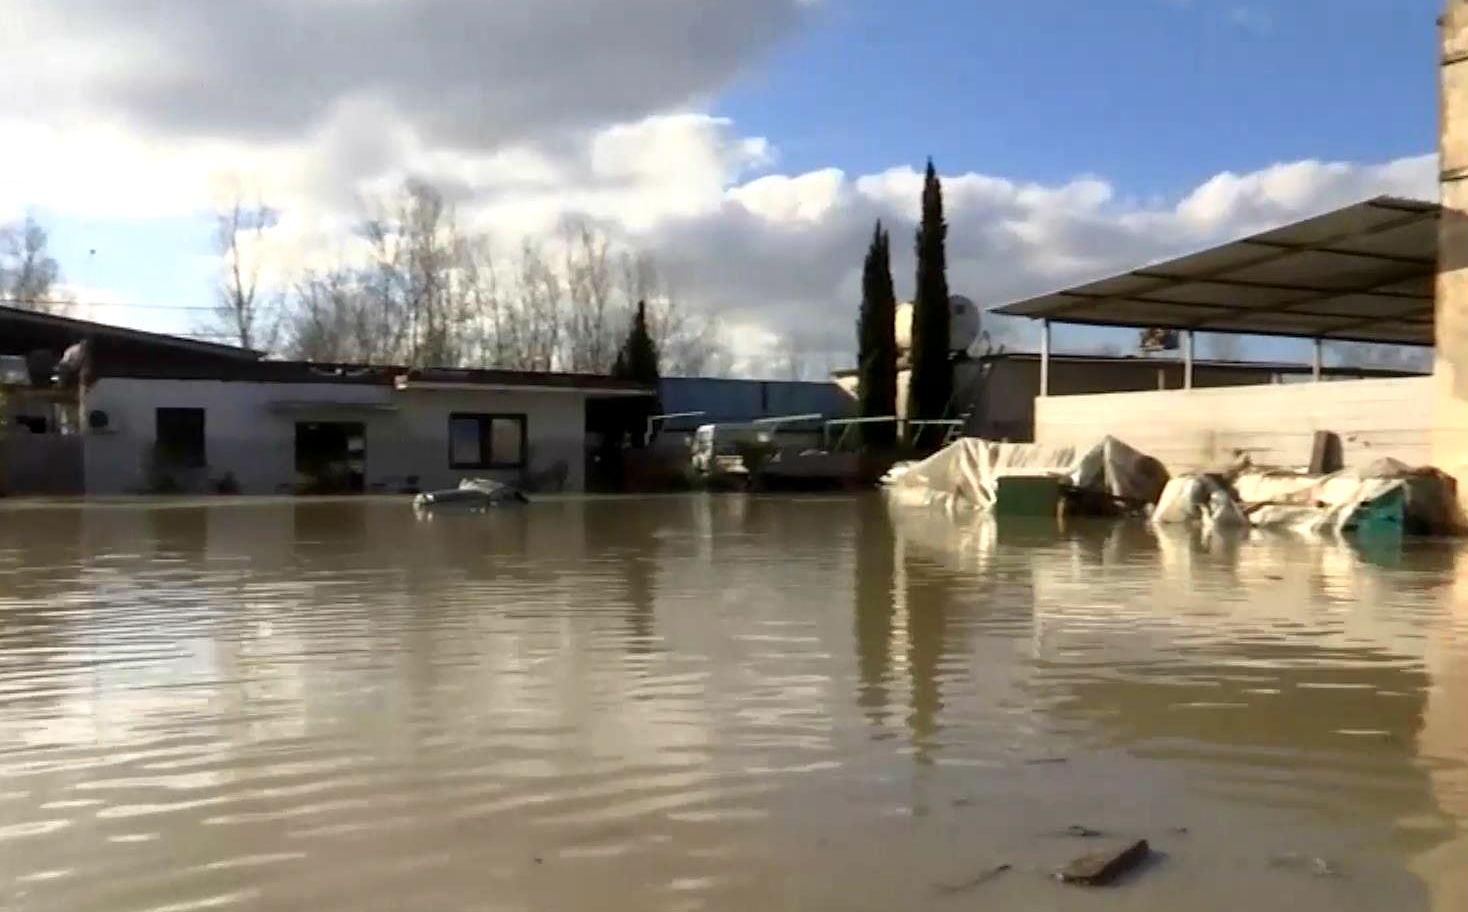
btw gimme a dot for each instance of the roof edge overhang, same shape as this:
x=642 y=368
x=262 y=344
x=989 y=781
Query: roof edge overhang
x=408 y=384
x=1361 y=273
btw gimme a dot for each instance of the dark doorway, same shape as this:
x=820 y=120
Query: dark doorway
x=331 y=457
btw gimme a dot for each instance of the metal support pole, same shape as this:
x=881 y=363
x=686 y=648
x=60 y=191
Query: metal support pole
x=1044 y=357
x=1315 y=361
x=1188 y=360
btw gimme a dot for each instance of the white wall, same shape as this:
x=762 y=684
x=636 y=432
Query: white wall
x=245 y=437
x=1194 y=429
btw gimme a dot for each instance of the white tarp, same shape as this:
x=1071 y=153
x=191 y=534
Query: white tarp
x=1198 y=498
x=1382 y=494
x=965 y=474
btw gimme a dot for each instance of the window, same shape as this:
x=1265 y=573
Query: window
x=180 y=437
x=486 y=441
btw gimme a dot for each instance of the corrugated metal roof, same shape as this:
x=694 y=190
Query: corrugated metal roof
x=1364 y=273
x=729 y=400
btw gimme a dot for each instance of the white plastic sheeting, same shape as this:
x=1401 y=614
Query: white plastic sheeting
x=1198 y=498
x=965 y=474
x=1384 y=494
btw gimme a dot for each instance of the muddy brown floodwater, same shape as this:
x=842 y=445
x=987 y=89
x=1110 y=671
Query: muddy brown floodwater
x=717 y=703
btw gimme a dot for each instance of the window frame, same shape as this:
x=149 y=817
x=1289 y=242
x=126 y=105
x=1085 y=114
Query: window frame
x=171 y=458
x=485 y=422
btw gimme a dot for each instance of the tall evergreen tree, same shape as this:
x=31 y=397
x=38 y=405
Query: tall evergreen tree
x=877 y=344
x=931 y=383
x=638 y=360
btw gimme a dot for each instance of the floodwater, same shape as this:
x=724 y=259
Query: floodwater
x=717 y=703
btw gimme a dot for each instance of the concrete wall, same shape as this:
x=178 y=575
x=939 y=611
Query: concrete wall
x=1192 y=429
x=1450 y=441
x=245 y=437
x=1003 y=402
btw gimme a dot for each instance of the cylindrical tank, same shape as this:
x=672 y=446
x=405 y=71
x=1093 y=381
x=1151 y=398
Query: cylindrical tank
x=964 y=324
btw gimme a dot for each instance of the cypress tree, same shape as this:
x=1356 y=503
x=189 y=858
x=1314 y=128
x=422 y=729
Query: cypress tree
x=638 y=360
x=877 y=344
x=931 y=383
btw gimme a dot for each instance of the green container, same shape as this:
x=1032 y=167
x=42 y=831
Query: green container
x=1027 y=495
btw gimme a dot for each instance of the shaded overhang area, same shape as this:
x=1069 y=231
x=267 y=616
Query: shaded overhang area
x=1364 y=273
x=314 y=406
x=484 y=380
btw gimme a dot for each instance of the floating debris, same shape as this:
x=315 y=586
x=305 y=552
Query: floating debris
x=1099 y=869
x=1298 y=861
x=972 y=883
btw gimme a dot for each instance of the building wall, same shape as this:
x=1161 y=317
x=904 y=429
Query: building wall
x=1003 y=396
x=48 y=465
x=1198 y=428
x=246 y=438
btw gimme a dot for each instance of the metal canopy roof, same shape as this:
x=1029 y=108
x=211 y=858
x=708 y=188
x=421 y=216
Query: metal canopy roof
x=1364 y=273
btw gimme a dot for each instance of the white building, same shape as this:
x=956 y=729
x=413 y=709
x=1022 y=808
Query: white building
x=280 y=427
x=156 y=414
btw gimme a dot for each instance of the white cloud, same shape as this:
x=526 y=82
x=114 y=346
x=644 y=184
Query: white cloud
x=523 y=114
x=792 y=201
x=770 y=253
x=461 y=72
x=764 y=260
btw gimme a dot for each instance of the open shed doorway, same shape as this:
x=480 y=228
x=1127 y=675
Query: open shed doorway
x=331 y=457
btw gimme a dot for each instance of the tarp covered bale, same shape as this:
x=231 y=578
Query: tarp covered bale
x=1116 y=469
x=1204 y=499
x=966 y=473
x=1384 y=494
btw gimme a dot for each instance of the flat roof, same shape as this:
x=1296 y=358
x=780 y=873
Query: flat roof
x=1365 y=273
x=396 y=376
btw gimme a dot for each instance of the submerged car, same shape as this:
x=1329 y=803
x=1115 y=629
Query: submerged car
x=472 y=494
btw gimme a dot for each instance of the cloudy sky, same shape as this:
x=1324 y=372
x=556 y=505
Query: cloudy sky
x=749 y=144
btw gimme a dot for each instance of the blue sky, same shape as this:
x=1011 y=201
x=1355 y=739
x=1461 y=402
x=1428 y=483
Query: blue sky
x=748 y=146
x=1155 y=94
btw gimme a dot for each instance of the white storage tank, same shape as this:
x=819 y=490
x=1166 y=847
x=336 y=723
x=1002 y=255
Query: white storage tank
x=964 y=325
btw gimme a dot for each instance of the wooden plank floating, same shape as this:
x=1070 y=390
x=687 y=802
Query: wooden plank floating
x=1099 y=869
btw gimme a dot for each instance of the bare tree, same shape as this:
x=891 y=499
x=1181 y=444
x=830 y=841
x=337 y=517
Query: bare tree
x=28 y=272
x=492 y=324
x=417 y=314
x=240 y=311
x=321 y=326
x=539 y=320
x=690 y=344
x=431 y=295
x=791 y=359
x=594 y=319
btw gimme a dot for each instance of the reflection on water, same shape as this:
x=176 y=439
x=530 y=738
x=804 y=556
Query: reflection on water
x=720 y=703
